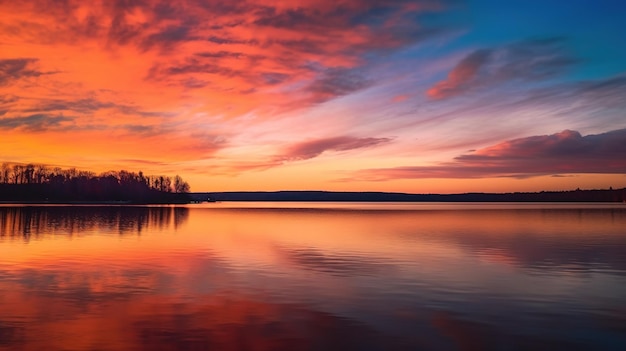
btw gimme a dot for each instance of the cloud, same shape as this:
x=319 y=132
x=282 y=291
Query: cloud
x=192 y=83
x=34 y=123
x=142 y=162
x=7 y=102
x=528 y=60
x=15 y=69
x=207 y=54
x=237 y=168
x=140 y=129
x=201 y=144
x=87 y=106
x=219 y=54
x=335 y=82
x=590 y=105
x=191 y=65
x=583 y=98
x=461 y=76
x=329 y=33
x=154 y=23
x=297 y=152
x=7 y=99
x=168 y=37
x=567 y=152
x=313 y=148
x=271 y=78
x=228 y=40
x=89 y=115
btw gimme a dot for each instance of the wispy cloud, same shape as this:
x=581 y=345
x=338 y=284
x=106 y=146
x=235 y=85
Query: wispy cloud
x=87 y=106
x=313 y=148
x=35 y=123
x=14 y=69
x=463 y=74
x=301 y=151
x=527 y=60
x=7 y=102
x=589 y=98
x=567 y=152
x=335 y=82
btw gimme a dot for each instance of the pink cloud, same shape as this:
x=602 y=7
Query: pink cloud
x=566 y=152
x=400 y=98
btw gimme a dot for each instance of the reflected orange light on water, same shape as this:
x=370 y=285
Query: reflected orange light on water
x=232 y=322
x=163 y=231
x=114 y=278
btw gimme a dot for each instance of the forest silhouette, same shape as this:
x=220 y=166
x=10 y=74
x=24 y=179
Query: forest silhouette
x=40 y=183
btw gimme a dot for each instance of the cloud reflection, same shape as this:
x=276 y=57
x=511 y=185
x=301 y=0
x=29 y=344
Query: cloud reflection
x=233 y=322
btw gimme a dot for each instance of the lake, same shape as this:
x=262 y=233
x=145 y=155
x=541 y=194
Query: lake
x=313 y=276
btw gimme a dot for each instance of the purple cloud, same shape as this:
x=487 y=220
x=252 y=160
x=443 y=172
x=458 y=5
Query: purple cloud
x=313 y=148
x=298 y=152
x=567 y=152
x=335 y=82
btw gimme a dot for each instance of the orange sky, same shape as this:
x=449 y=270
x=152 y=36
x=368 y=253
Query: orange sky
x=407 y=96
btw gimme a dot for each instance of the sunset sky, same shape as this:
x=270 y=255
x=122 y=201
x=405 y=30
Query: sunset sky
x=417 y=96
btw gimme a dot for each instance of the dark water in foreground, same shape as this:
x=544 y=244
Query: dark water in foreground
x=313 y=277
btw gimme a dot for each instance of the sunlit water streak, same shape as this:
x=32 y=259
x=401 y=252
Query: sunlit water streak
x=313 y=276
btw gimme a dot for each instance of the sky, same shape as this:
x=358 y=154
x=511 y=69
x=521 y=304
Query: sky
x=421 y=96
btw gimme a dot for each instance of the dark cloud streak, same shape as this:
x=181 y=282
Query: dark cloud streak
x=34 y=123
x=87 y=106
x=335 y=82
x=313 y=148
x=12 y=70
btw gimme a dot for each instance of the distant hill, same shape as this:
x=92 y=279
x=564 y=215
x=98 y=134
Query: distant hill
x=604 y=195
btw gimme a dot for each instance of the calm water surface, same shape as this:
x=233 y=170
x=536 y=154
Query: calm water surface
x=298 y=276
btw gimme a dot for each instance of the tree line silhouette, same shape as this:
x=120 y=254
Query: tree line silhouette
x=40 y=183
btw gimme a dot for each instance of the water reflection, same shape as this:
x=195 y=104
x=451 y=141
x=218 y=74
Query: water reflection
x=202 y=277
x=39 y=221
x=340 y=264
x=234 y=322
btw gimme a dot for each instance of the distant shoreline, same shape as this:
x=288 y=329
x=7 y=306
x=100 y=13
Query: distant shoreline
x=601 y=195
x=571 y=196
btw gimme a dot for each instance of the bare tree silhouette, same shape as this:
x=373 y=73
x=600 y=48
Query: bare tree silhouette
x=36 y=182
